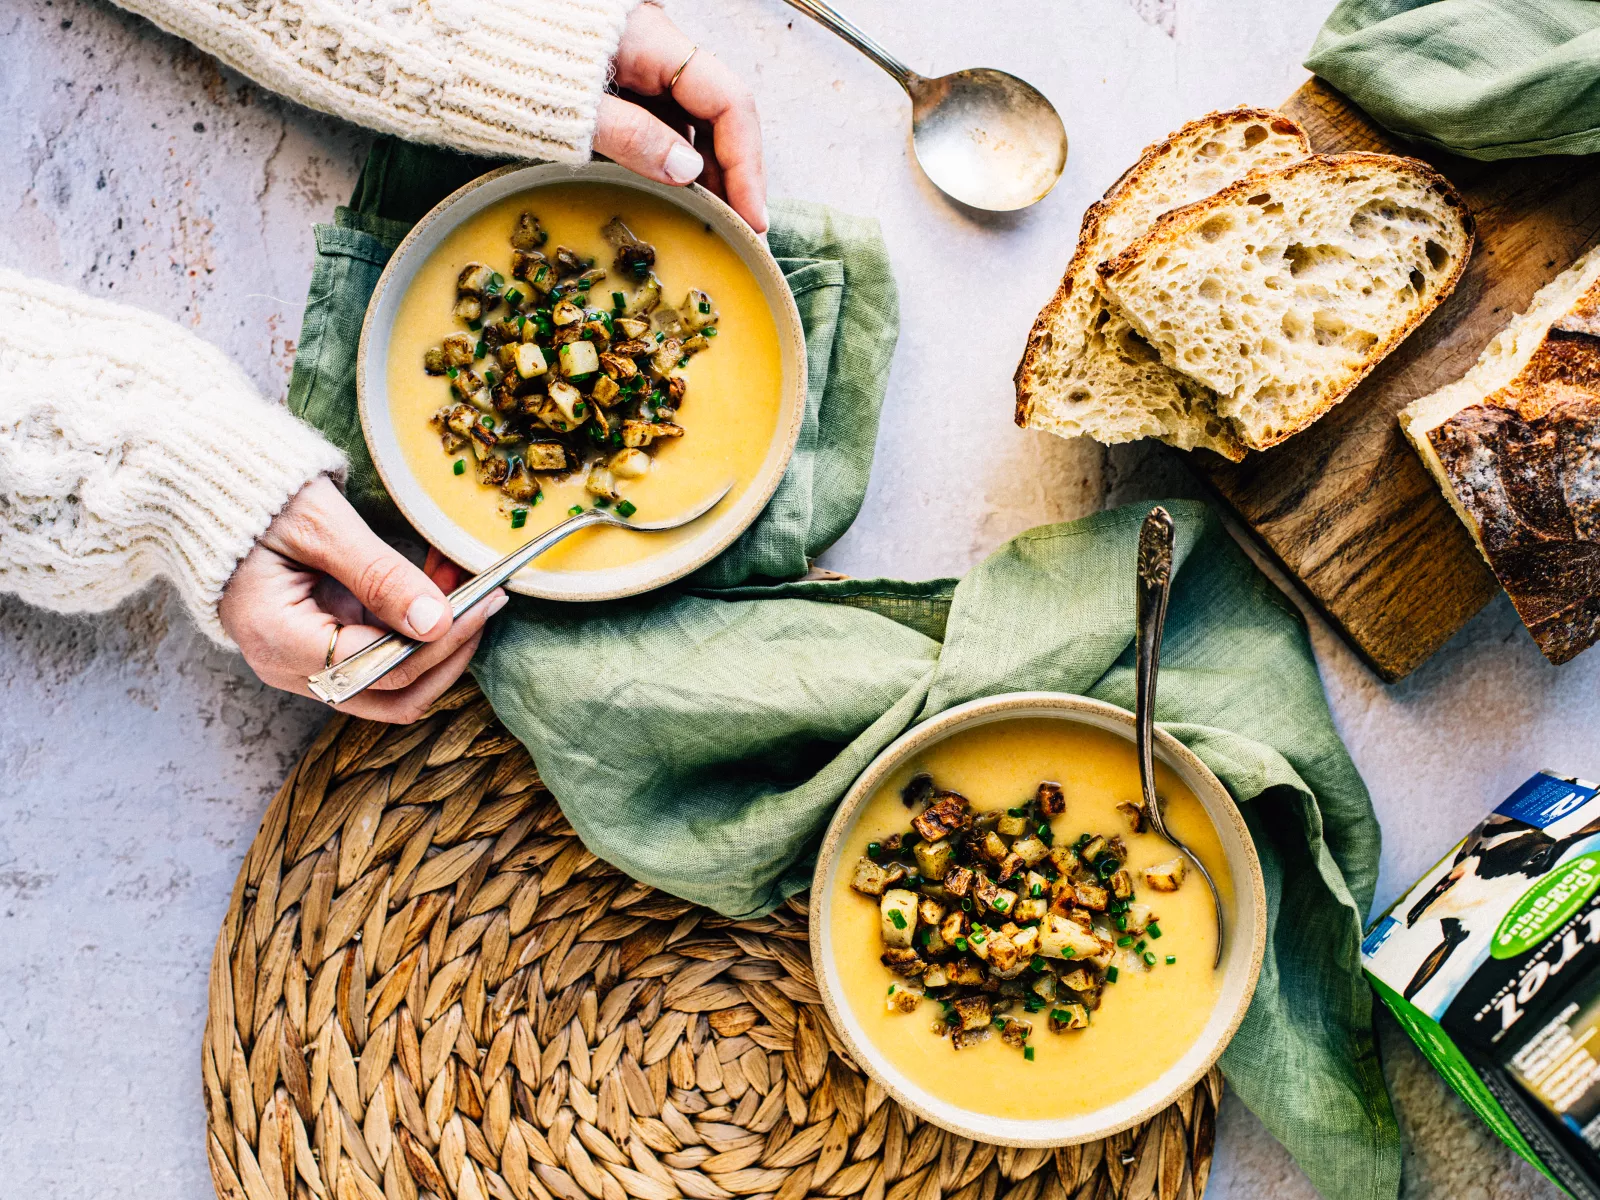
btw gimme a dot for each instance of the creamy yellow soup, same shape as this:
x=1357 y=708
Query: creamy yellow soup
x=1147 y=1019
x=729 y=414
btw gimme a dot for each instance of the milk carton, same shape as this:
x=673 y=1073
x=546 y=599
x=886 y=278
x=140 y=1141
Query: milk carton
x=1492 y=964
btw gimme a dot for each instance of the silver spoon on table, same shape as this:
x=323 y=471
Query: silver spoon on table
x=985 y=138
x=366 y=666
x=1155 y=587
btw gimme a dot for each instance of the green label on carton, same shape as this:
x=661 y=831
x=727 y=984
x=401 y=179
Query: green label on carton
x=1545 y=907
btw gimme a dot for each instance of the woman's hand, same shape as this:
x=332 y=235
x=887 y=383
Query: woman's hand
x=318 y=566
x=651 y=51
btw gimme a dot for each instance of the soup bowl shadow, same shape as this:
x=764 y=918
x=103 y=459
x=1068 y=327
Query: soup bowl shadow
x=1244 y=925
x=715 y=532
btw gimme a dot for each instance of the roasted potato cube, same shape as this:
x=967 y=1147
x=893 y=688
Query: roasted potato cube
x=1138 y=917
x=1065 y=859
x=579 y=359
x=534 y=269
x=1093 y=848
x=984 y=889
x=934 y=858
x=1026 y=940
x=605 y=391
x=545 y=456
x=904 y=961
x=697 y=310
x=645 y=433
x=629 y=464
x=452 y=439
x=978 y=941
x=1052 y=800
x=460 y=350
x=632 y=328
x=566 y=314
x=1044 y=985
x=1091 y=895
x=1015 y=1032
x=665 y=358
x=589 y=277
x=475 y=279
x=1068 y=939
x=568 y=261
x=468 y=308
x=695 y=344
x=929 y=939
x=519 y=484
x=898 y=917
x=936 y=976
x=904 y=997
x=1011 y=826
x=975 y=1012
x=964 y=972
x=645 y=299
x=594 y=330
x=962 y=1038
x=958 y=881
x=1167 y=876
x=1010 y=865
x=869 y=879
x=466 y=383
x=1068 y=1016
x=993 y=848
x=569 y=400
x=618 y=366
x=1003 y=901
x=529 y=360
x=498 y=333
x=601 y=482
x=1121 y=883
x=1030 y=849
x=948 y=813
x=1079 y=980
x=1032 y=908
x=953 y=926
x=930 y=911
x=492 y=470
x=433 y=362
x=1003 y=955
x=461 y=419
x=1117 y=848
x=528 y=234
x=1134 y=814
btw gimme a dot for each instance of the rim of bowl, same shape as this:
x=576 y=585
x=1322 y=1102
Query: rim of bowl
x=639 y=576
x=1249 y=900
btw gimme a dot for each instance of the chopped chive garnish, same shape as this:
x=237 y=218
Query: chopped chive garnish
x=1122 y=922
x=660 y=337
x=874 y=849
x=486 y=421
x=712 y=332
x=602 y=502
x=891 y=989
x=1036 y=890
x=705 y=307
x=1171 y=958
x=618 y=301
x=1111 y=974
x=480 y=349
x=960 y=943
x=497 y=279
x=1027 y=1053
x=625 y=508
x=1142 y=944
x=952 y=1019
x=1038 y=963
x=1154 y=930
x=1060 y=1014
x=978 y=939
x=452 y=372
x=519 y=518
x=574 y=510
x=474 y=325
x=684 y=361
x=1126 y=940
x=460 y=468
x=491 y=377
x=895 y=919
x=513 y=297
x=1149 y=959
x=966 y=904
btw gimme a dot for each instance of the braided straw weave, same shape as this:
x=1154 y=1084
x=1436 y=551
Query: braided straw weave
x=425 y=987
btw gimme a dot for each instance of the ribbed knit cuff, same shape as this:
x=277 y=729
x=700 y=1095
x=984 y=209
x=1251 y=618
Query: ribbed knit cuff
x=206 y=497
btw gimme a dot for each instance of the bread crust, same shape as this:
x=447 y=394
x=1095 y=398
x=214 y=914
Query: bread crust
x=1095 y=214
x=1524 y=465
x=1181 y=220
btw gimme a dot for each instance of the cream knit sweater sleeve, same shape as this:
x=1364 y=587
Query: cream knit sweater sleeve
x=129 y=448
x=517 y=78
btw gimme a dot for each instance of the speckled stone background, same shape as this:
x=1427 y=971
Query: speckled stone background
x=135 y=759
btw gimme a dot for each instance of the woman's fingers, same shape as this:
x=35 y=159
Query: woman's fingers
x=651 y=53
x=403 y=707
x=632 y=138
x=356 y=637
x=320 y=530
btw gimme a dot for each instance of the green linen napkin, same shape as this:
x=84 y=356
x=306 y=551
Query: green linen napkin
x=699 y=737
x=1484 y=78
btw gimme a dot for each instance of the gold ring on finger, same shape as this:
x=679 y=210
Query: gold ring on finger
x=333 y=642
x=678 y=74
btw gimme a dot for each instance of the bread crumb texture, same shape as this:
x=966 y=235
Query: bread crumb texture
x=1281 y=292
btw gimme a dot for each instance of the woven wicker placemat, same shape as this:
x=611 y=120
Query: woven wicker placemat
x=425 y=986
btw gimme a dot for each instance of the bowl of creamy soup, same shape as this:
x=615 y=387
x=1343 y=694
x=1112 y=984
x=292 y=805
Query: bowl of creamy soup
x=550 y=339
x=1006 y=946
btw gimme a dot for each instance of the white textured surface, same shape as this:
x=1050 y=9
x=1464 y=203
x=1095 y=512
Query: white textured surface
x=136 y=761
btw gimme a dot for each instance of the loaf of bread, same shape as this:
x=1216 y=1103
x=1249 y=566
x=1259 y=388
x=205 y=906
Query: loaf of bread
x=1283 y=290
x=1515 y=444
x=1085 y=371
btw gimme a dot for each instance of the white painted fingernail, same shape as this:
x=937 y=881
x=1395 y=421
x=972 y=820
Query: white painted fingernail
x=683 y=165
x=498 y=603
x=424 y=614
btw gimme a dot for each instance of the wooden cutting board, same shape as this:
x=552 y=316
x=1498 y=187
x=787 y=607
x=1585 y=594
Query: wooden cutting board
x=1346 y=507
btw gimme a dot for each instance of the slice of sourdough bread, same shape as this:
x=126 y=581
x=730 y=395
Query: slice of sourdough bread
x=1515 y=444
x=1085 y=370
x=1283 y=290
